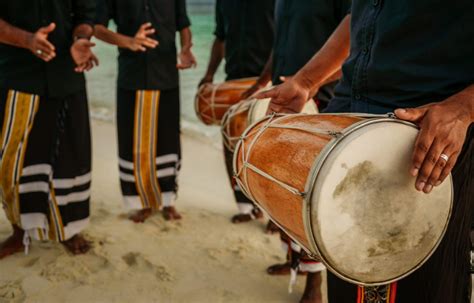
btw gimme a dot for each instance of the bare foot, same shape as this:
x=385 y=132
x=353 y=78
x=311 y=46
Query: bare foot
x=272 y=228
x=281 y=270
x=171 y=214
x=77 y=245
x=141 y=215
x=242 y=218
x=13 y=244
x=312 y=290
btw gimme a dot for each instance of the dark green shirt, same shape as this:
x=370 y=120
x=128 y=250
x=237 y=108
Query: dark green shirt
x=23 y=71
x=302 y=28
x=407 y=53
x=247 y=27
x=156 y=68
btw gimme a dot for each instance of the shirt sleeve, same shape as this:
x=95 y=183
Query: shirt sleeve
x=182 y=19
x=105 y=9
x=220 y=28
x=84 y=11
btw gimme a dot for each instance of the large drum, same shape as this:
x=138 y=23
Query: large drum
x=242 y=115
x=339 y=185
x=213 y=100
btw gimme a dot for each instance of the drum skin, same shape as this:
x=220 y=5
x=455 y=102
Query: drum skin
x=287 y=155
x=213 y=100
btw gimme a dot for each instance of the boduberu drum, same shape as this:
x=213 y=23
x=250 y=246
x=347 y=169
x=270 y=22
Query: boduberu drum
x=340 y=186
x=242 y=115
x=213 y=100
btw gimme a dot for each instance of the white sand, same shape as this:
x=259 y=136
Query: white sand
x=203 y=258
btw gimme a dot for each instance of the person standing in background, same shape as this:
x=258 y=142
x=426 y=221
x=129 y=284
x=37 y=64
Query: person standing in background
x=244 y=37
x=45 y=158
x=302 y=28
x=148 y=98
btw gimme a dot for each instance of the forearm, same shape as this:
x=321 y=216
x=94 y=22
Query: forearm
x=217 y=54
x=328 y=61
x=186 y=38
x=14 y=36
x=266 y=75
x=83 y=31
x=108 y=36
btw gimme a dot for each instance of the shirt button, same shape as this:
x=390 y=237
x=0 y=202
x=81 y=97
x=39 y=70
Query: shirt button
x=365 y=50
x=357 y=97
x=375 y=2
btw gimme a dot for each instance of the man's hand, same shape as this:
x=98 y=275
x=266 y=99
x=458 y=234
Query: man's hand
x=289 y=97
x=81 y=52
x=39 y=45
x=142 y=41
x=186 y=59
x=443 y=128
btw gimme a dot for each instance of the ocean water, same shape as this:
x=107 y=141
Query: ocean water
x=102 y=80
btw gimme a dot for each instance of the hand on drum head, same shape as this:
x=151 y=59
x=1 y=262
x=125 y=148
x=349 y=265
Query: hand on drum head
x=443 y=128
x=289 y=97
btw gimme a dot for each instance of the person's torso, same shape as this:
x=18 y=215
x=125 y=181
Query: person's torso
x=302 y=28
x=249 y=30
x=20 y=69
x=155 y=68
x=407 y=53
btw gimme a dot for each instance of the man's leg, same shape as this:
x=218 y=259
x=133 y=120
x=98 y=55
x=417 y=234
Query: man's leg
x=137 y=122
x=247 y=209
x=17 y=113
x=168 y=150
x=71 y=162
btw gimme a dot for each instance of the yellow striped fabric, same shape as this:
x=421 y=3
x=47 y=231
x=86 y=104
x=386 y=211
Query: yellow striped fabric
x=144 y=150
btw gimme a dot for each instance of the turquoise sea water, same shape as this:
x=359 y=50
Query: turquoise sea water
x=101 y=80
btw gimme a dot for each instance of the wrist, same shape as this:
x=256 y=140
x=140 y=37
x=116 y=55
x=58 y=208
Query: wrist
x=304 y=82
x=186 y=47
x=28 y=41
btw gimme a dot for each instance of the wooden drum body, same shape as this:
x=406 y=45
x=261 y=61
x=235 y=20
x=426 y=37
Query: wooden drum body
x=213 y=100
x=240 y=116
x=339 y=186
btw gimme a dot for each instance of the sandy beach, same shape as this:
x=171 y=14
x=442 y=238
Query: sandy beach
x=203 y=258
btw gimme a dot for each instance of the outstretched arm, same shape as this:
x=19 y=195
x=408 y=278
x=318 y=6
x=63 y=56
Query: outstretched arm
x=291 y=96
x=140 y=42
x=36 y=42
x=217 y=55
x=186 y=56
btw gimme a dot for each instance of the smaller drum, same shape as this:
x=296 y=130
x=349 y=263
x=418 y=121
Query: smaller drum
x=213 y=100
x=242 y=115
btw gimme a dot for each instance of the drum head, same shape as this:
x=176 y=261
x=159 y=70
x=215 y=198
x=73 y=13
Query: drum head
x=369 y=223
x=259 y=109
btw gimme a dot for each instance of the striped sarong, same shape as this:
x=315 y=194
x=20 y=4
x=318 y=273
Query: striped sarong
x=148 y=128
x=45 y=163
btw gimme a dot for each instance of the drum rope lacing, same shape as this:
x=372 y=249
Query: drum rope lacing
x=212 y=105
x=268 y=124
x=233 y=111
x=246 y=155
